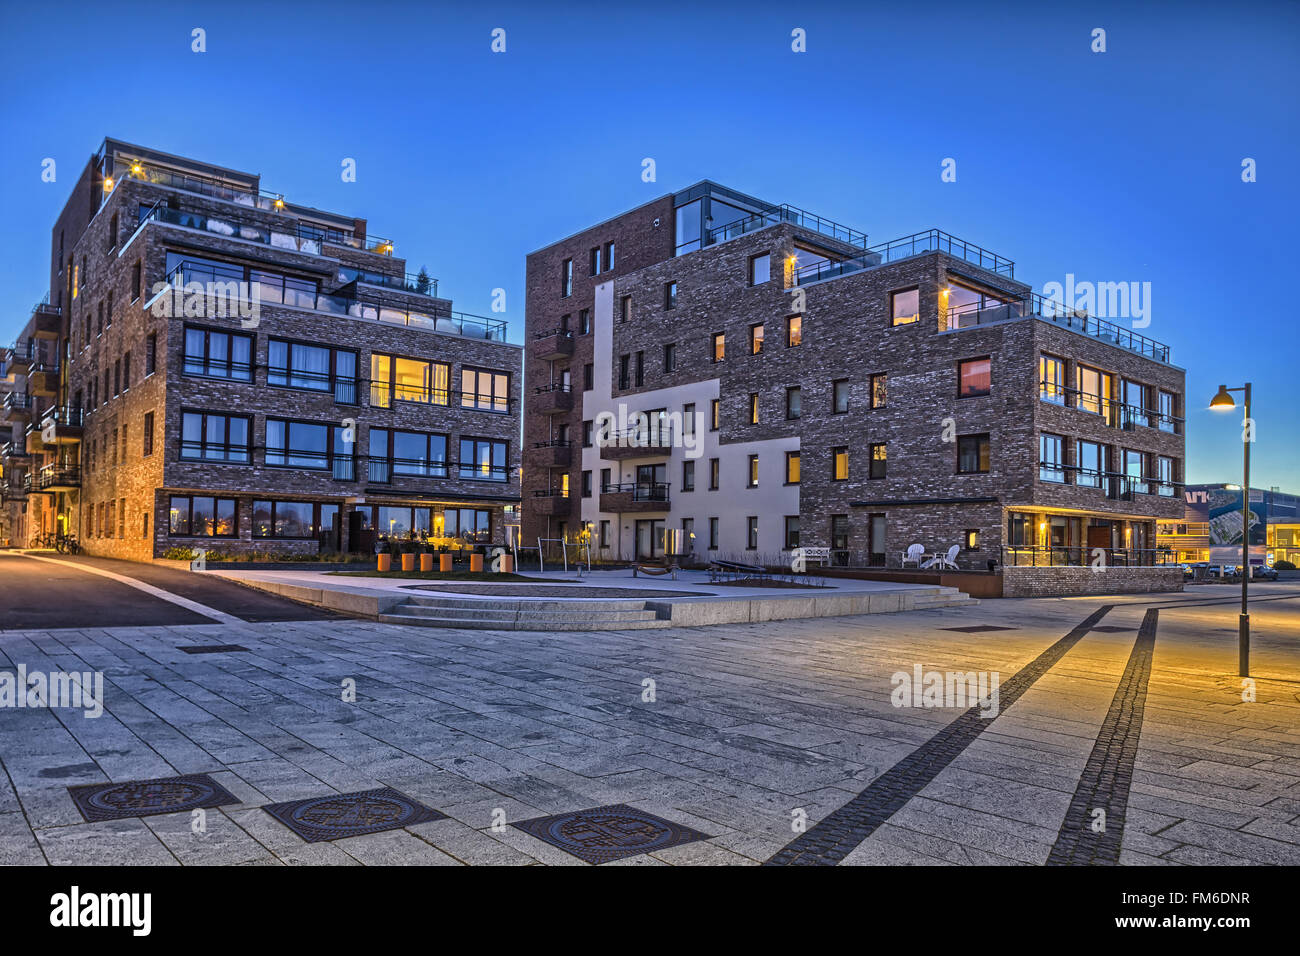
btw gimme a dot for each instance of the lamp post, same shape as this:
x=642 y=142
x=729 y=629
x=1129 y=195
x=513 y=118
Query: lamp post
x=1223 y=402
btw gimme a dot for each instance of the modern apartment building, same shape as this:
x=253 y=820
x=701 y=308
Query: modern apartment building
x=804 y=388
x=220 y=368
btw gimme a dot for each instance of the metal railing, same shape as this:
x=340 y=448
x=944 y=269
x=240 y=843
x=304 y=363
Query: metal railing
x=552 y=387
x=640 y=490
x=554 y=443
x=1115 y=413
x=53 y=476
x=917 y=244
x=1033 y=305
x=382 y=471
x=408 y=282
x=18 y=400
x=1117 y=485
x=547 y=333
x=1047 y=556
x=274 y=290
x=63 y=415
x=789 y=214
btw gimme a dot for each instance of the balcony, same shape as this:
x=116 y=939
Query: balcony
x=53 y=478
x=553 y=344
x=418 y=284
x=20 y=355
x=271 y=289
x=1025 y=556
x=17 y=407
x=634 y=497
x=14 y=449
x=1049 y=310
x=551 y=501
x=918 y=244
x=557 y=453
x=1114 y=413
x=787 y=214
x=623 y=446
x=62 y=425
x=47 y=321
x=553 y=399
x=43 y=379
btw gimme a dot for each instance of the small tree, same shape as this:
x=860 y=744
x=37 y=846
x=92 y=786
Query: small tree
x=423 y=282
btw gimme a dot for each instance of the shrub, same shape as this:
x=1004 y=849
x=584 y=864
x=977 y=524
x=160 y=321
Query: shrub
x=180 y=554
x=1283 y=565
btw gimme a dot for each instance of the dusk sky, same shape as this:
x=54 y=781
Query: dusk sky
x=1117 y=166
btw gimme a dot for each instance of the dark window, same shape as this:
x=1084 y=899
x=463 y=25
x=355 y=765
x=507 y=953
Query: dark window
x=309 y=445
x=293 y=519
x=751 y=533
x=878 y=391
x=147 y=438
x=588 y=377
x=713 y=534
x=972 y=454
x=609 y=256
x=150 y=354
x=793 y=402
x=218 y=354
x=760 y=268
x=586 y=434
x=315 y=368
x=566 y=278
x=135 y=282
x=625 y=371
x=586 y=480
x=670 y=295
x=839 y=396
x=1051 y=458
x=584 y=321
x=791 y=532
x=625 y=308
x=715 y=470
x=595 y=261
x=670 y=356
x=640 y=369
x=688 y=475
x=207 y=436
x=483 y=459
x=406 y=454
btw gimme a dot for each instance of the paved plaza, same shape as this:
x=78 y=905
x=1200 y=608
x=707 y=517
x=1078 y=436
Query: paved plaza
x=774 y=742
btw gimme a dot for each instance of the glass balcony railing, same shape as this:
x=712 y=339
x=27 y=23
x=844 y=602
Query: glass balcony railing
x=419 y=284
x=789 y=214
x=921 y=243
x=275 y=290
x=1049 y=310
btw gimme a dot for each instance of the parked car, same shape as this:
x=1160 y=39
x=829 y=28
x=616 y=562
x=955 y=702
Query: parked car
x=1263 y=573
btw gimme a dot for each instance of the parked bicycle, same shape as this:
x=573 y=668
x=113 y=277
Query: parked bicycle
x=67 y=544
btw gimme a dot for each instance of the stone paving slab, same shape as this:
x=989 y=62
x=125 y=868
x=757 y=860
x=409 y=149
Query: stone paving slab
x=751 y=724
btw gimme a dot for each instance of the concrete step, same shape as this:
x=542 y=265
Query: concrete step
x=518 y=624
x=520 y=604
x=491 y=610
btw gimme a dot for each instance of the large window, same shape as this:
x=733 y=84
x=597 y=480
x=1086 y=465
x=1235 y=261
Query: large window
x=472 y=524
x=310 y=445
x=483 y=459
x=293 y=519
x=1135 y=470
x=1135 y=404
x=972 y=454
x=905 y=307
x=218 y=354
x=760 y=269
x=406 y=454
x=1091 y=465
x=207 y=436
x=408 y=380
x=1164 y=476
x=485 y=389
x=1165 y=409
x=316 y=368
x=1051 y=457
x=1051 y=379
x=974 y=377
x=201 y=516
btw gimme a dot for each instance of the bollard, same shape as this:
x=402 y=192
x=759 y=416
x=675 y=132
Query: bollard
x=476 y=562
x=408 y=562
x=426 y=562
x=507 y=563
x=444 y=562
x=385 y=562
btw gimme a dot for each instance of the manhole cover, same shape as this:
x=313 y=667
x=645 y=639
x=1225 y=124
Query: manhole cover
x=978 y=628
x=213 y=648
x=351 y=814
x=609 y=833
x=143 y=798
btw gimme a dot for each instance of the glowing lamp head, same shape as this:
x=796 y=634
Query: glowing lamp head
x=279 y=202
x=108 y=184
x=1222 y=402
x=136 y=169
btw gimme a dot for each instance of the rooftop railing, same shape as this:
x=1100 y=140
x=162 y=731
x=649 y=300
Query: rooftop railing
x=1036 y=306
x=275 y=291
x=418 y=284
x=918 y=244
x=790 y=214
x=269 y=202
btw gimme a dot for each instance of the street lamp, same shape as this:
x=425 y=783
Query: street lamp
x=1223 y=402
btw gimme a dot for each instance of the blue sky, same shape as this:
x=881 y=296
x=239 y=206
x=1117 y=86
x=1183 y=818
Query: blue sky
x=1118 y=166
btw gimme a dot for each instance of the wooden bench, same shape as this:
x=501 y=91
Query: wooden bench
x=733 y=570
x=654 y=570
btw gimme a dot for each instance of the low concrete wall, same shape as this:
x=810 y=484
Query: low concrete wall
x=754 y=610
x=1076 y=581
x=346 y=602
x=978 y=584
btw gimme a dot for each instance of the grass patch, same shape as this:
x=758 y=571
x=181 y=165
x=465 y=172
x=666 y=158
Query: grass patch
x=435 y=575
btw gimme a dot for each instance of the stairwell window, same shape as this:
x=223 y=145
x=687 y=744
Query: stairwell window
x=839 y=396
x=793 y=403
x=670 y=295
x=840 y=463
x=751 y=533
x=566 y=278
x=760 y=268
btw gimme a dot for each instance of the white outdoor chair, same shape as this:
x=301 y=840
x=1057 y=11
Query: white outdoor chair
x=948 y=560
x=913 y=554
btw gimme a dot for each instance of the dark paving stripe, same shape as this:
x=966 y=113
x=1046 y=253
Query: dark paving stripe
x=212 y=648
x=1108 y=774
x=836 y=835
